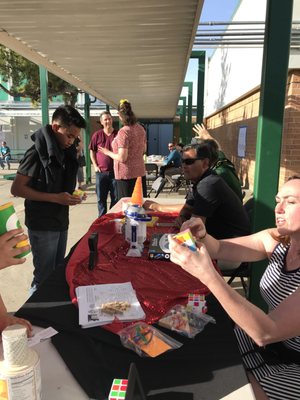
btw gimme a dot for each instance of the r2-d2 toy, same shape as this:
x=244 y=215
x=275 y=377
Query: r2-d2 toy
x=136 y=229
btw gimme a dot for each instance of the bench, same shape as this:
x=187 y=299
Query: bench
x=9 y=177
x=16 y=155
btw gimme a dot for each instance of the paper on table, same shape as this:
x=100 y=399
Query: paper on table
x=90 y=299
x=41 y=336
x=155 y=347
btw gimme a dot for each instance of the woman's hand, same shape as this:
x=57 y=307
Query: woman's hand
x=104 y=150
x=8 y=242
x=7 y=320
x=197 y=263
x=196 y=226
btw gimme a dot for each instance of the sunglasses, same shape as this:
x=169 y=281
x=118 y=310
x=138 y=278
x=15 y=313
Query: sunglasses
x=189 y=161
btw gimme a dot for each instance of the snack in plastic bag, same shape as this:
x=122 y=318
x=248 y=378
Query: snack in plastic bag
x=146 y=340
x=177 y=320
x=184 y=321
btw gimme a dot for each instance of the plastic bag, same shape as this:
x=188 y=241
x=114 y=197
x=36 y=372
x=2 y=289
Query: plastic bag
x=185 y=321
x=146 y=340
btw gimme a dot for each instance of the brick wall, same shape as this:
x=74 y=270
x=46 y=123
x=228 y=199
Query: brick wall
x=224 y=126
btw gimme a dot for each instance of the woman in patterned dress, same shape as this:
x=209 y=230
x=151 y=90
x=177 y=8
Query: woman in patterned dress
x=269 y=343
x=129 y=147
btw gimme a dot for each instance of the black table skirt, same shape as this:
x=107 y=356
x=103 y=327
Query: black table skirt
x=207 y=367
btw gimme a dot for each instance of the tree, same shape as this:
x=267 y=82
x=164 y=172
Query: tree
x=25 y=82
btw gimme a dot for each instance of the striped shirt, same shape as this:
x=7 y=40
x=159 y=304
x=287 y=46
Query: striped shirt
x=277 y=284
x=280 y=381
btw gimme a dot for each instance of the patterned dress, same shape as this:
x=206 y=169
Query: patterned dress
x=280 y=381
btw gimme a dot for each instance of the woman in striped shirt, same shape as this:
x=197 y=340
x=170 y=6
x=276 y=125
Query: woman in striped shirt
x=269 y=342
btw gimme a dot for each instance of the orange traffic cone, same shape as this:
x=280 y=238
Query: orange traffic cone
x=137 y=194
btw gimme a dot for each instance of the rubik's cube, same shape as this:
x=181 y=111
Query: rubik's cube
x=118 y=389
x=186 y=239
x=197 y=303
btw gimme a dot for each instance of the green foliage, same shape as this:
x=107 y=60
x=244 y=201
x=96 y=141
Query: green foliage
x=24 y=76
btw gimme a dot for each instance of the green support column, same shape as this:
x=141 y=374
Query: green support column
x=270 y=121
x=107 y=107
x=44 y=94
x=200 y=55
x=181 y=121
x=86 y=138
x=183 y=124
x=189 y=134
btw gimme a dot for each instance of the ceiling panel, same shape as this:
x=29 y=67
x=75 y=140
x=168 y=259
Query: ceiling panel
x=112 y=49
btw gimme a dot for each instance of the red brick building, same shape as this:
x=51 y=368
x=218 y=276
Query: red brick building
x=225 y=123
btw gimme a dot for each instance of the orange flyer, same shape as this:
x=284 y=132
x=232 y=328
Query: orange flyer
x=155 y=347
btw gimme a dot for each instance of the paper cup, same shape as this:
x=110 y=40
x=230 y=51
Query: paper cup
x=10 y=221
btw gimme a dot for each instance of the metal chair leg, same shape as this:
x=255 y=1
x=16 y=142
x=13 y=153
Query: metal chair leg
x=162 y=185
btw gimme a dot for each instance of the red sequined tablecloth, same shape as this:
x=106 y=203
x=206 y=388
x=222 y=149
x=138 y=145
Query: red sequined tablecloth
x=159 y=285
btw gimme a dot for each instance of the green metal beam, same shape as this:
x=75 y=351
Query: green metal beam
x=189 y=134
x=270 y=121
x=200 y=55
x=86 y=137
x=181 y=121
x=44 y=94
x=183 y=124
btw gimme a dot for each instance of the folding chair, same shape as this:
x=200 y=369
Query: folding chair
x=172 y=181
x=177 y=182
x=157 y=186
x=243 y=270
x=151 y=173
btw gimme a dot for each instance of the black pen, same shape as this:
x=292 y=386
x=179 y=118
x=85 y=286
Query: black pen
x=93 y=246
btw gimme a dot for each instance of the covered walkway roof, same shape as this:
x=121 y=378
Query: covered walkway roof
x=111 y=49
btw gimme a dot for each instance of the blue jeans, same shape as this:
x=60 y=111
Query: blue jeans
x=105 y=183
x=48 y=251
x=3 y=160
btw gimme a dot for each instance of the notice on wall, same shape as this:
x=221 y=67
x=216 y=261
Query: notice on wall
x=242 y=141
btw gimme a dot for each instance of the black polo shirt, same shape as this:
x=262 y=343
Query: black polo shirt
x=212 y=198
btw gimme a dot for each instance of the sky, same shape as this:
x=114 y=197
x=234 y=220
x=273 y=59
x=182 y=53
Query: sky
x=218 y=10
x=213 y=10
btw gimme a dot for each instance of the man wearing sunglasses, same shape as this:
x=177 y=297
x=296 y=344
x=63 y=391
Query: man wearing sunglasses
x=211 y=198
